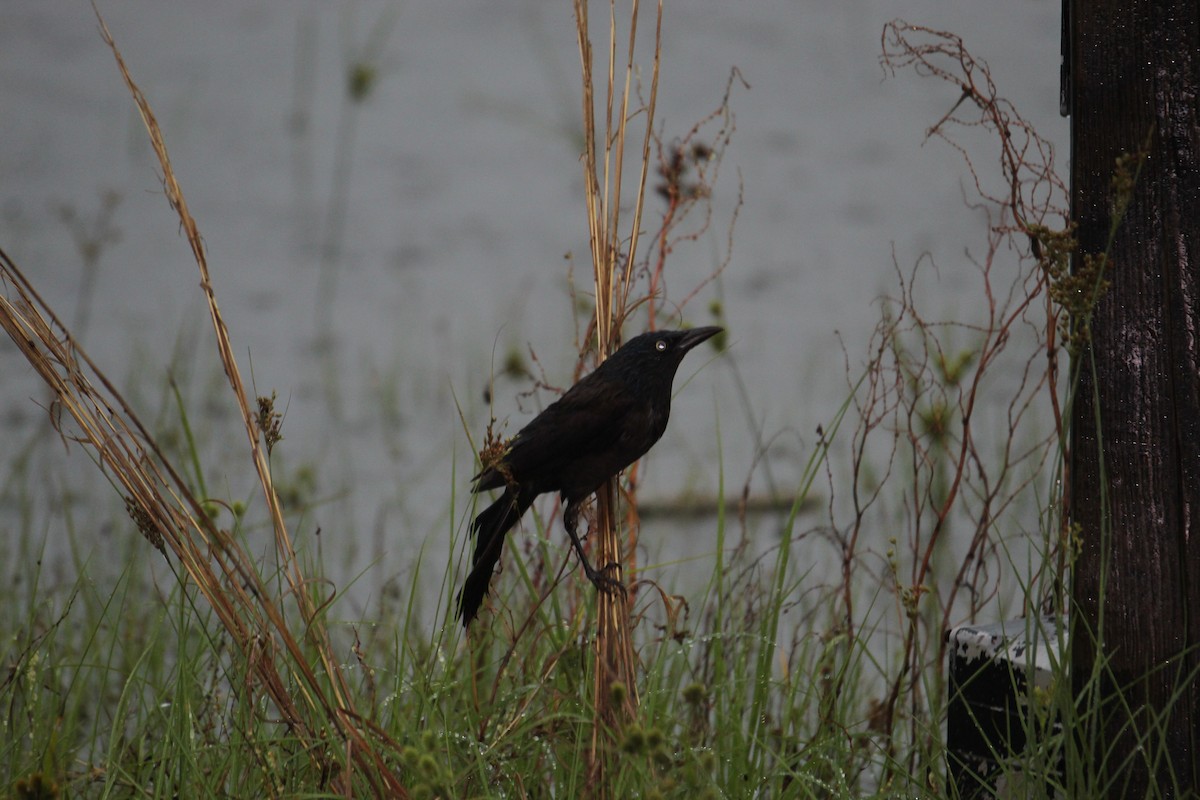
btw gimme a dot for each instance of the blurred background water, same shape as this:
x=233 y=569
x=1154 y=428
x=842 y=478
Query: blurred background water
x=379 y=257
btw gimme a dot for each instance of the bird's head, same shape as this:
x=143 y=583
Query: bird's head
x=659 y=352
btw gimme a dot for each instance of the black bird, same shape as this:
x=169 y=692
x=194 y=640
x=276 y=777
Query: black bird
x=600 y=426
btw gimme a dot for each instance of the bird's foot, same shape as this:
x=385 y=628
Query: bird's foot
x=601 y=578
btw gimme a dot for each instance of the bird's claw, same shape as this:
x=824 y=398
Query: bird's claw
x=601 y=579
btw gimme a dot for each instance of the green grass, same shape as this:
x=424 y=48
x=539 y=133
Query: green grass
x=127 y=685
x=776 y=679
x=116 y=691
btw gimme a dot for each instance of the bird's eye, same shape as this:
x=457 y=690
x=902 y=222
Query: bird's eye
x=660 y=345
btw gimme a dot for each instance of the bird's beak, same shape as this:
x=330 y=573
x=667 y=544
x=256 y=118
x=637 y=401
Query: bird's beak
x=695 y=336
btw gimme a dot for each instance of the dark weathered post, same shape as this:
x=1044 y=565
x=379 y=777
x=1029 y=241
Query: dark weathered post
x=1135 y=448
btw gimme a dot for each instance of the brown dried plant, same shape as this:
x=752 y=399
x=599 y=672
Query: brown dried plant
x=615 y=695
x=624 y=281
x=930 y=407
x=299 y=672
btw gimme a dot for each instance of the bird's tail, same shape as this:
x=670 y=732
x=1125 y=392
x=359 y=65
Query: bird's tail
x=489 y=528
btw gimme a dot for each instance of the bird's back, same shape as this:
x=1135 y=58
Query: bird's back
x=605 y=422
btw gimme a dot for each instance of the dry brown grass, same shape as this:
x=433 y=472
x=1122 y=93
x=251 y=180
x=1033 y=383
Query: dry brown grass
x=291 y=661
x=603 y=168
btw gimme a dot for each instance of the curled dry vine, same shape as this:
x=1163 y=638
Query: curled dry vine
x=952 y=410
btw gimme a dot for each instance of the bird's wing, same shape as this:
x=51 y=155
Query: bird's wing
x=590 y=416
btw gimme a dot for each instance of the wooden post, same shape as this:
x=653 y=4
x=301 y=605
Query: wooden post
x=1134 y=69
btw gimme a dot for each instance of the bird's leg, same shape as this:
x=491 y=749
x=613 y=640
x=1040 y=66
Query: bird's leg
x=597 y=576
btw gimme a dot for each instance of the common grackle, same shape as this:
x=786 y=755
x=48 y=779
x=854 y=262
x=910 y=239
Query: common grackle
x=600 y=426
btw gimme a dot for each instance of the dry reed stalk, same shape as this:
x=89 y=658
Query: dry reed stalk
x=173 y=519
x=312 y=702
x=613 y=274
